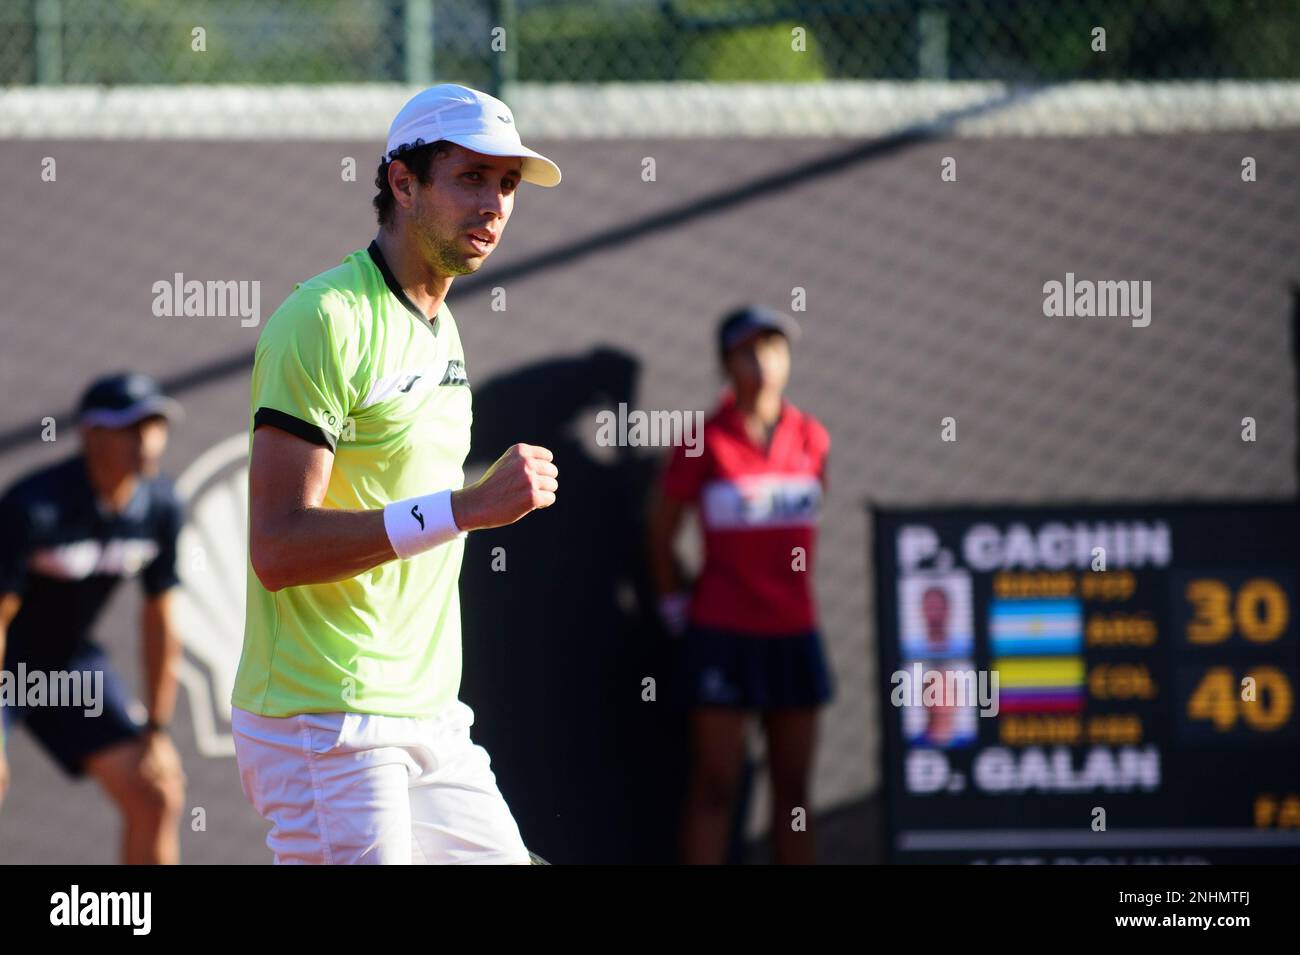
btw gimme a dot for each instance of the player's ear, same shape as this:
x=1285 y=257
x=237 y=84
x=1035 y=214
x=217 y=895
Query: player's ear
x=402 y=182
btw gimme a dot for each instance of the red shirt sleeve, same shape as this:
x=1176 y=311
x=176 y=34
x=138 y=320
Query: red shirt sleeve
x=819 y=446
x=684 y=475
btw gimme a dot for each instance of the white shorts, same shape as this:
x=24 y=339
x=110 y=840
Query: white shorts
x=362 y=788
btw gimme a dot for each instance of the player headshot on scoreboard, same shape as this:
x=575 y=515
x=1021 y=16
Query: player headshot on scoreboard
x=349 y=735
x=935 y=608
x=752 y=640
x=69 y=534
x=936 y=615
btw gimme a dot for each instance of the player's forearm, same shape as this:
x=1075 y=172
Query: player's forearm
x=659 y=548
x=162 y=656
x=9 y=604
x=323 y=545
x=663 y=565
x=2 y=722
x=320 y=545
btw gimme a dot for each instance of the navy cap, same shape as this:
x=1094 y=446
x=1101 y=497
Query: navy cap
x=748 y=320
x=122 y=399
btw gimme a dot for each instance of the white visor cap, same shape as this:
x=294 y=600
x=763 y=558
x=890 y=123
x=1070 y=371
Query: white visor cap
x=471 y=119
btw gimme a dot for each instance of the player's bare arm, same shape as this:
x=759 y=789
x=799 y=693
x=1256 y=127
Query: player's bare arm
x=9 y=604
x=666 y=516
x=159 y=759
x=295 y=541
x=162 y=655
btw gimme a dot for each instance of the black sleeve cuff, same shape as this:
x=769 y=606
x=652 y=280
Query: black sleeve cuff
x=295 y=426
x=155 y=587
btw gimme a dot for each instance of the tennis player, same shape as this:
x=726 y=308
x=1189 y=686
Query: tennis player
x=70 y=533
x=349 y=735
x=752 y=642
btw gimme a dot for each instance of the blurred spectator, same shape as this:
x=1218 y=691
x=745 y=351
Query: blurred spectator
x=69 y=533
x=752 y=644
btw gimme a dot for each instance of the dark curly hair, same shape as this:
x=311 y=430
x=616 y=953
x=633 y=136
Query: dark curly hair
x=418 y=157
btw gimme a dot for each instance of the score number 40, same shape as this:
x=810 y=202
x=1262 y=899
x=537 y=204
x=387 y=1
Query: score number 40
x=1259 y=612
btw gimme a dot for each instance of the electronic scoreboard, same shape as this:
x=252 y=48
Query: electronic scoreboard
x=1090 y=684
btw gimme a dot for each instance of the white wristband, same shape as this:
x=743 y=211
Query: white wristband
x=421 y=523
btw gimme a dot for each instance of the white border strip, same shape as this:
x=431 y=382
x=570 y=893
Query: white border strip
x=660 y=110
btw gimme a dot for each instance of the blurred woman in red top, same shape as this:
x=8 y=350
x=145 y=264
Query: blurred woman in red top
x=749 y=622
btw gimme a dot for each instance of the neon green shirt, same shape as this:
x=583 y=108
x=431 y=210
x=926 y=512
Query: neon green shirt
x=349 y=362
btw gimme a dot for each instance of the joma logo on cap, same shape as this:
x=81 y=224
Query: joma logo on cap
x=504 y=119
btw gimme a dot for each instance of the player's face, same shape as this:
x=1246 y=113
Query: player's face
x=458 y=219
x=761 y=362
x=934 y=605
x=135 y=449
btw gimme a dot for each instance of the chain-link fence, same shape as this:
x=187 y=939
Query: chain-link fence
x=488 y=43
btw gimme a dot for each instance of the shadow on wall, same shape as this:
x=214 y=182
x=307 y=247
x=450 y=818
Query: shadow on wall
x=558 y=643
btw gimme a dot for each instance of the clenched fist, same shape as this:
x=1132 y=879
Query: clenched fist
x=521 y=480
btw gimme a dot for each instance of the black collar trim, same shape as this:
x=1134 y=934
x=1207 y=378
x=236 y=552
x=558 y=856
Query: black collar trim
x=391 y=281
